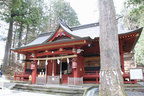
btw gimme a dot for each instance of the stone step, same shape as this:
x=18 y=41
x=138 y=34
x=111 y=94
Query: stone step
x=51 y=88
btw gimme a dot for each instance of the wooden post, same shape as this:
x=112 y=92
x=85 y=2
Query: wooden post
x=122 y=57
x=46 y=70
x=74 y=66
x=34 y=73
x=25 y=66
x=53 y=68
x=15 y=76
x=61 y=69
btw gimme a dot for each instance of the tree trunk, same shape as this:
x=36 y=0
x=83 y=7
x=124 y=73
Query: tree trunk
x=111 y=81
x=13 y=46
x=8 y=46
x=26 y=38
x=20 y=39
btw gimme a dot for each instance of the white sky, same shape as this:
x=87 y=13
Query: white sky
x=87 y=11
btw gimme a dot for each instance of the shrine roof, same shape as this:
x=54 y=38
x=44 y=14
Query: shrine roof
x=41 y=39
x=80 y=32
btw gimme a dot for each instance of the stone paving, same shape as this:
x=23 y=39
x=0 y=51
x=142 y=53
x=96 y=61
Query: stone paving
x=7 y=92
x=130 y=93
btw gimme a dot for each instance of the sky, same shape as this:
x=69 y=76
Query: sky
x=87 y=11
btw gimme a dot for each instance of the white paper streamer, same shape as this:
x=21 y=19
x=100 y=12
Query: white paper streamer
x=46 y=62
x=67 y=60
x=58 y=61
x=38 y=62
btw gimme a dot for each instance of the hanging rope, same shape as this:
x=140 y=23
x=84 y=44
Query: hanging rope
x=54 y=58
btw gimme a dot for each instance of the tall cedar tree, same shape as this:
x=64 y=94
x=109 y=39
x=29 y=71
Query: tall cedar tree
x=111 y=81
x=13 y=6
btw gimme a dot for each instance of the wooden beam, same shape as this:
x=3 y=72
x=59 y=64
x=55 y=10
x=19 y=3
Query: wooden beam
x=52 y=46
x=54 y=53
x=54 y=58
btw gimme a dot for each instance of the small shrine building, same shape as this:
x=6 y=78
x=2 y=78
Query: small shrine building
x=71 y=55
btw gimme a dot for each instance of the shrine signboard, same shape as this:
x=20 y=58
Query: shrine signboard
x=136 y=73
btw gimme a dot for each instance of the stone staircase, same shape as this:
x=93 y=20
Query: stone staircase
x=63 y=89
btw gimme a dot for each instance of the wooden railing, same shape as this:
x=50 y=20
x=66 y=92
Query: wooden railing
x=95 y=75
x=91 y=72
x=91 y=77
x=21 y=76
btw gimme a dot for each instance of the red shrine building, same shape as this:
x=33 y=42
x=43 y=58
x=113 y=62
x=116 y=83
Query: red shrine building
x=70 y=55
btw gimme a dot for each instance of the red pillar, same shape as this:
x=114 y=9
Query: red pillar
x=122 y=57
x=55 y=67
x=122 y=60
x=34 y=73
x=80 y=61
x=25 y=66
x=75 y=67
x=49 y=68
x=75 y=72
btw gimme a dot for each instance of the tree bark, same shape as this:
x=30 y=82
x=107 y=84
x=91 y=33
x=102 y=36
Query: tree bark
x=13 y=46
x=20 y=39
x=8 y=46
x=111 y=80
x=26 y=38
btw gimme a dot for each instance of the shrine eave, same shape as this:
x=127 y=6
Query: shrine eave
x=54 y=44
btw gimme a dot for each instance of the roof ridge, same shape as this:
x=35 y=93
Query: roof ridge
x=45 y=33
x=85 y=26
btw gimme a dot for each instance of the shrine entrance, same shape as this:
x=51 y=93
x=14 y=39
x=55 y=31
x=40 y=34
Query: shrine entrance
x=57 y=69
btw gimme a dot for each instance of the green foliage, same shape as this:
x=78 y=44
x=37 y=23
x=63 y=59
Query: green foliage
x=135 y=2
x=32 y=17
x=139 y=51
x=136 y=17
x=63 y=10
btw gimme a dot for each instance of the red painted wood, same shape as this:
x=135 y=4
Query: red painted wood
x=75 y=70
x=20 y=76
x=59 y=34
x=55 y=67
x=55 y=53
x=34 y=73
x=90 y=82
x=49 y=68
x=25 y=65
x=54 y=35
x=66 y=45
x=122 y=56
